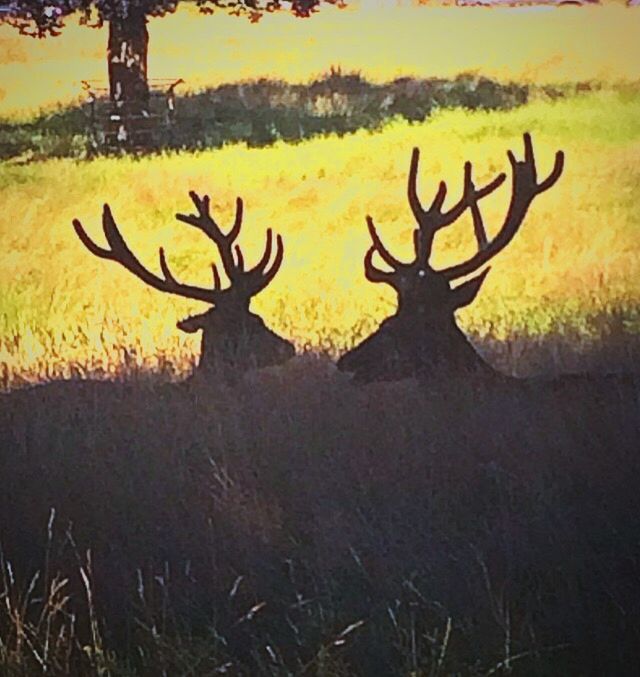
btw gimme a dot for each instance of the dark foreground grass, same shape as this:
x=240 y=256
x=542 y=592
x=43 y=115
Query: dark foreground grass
x=295 y=524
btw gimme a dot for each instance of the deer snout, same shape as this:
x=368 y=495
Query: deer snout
x=190 y=324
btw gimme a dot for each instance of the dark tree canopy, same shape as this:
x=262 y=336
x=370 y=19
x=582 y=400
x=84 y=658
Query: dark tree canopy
x=41 y=18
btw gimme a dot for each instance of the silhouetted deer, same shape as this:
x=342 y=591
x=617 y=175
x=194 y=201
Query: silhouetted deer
x=422 y=338
x=232 y=336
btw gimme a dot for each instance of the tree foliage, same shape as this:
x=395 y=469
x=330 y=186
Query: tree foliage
x=128 y=42
x=43 y=18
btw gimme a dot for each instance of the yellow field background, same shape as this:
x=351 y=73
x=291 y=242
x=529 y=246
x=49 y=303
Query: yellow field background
x=381 y=40
x=578 y=254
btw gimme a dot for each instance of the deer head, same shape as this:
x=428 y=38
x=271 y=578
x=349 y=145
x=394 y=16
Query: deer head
x=232 y=336
x=422 y=338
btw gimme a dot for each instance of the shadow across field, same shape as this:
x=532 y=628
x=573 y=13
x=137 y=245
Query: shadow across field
x=296 y=524
x=264 y=111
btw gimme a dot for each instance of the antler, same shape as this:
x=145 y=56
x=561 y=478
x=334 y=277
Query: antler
x=525 y=187
x=244 y=283
x=119 y=251
x=429 y=221
x=432 y=219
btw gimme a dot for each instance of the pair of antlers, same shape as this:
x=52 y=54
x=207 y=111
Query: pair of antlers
x=247 y=283
x=244 y=283
x=525 y=188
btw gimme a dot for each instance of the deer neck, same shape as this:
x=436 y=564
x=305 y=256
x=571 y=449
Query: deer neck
x=240 y=341
x=437 y=345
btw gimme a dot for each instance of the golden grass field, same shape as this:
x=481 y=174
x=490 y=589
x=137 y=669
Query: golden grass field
x=578 y=254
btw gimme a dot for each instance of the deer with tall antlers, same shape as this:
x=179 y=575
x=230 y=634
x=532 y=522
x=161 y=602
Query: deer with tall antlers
x=422 y=338
x=232 y=336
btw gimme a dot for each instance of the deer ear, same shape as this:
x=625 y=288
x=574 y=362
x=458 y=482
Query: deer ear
x=464 y=294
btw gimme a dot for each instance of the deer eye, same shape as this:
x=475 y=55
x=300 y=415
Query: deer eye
x=421 y=273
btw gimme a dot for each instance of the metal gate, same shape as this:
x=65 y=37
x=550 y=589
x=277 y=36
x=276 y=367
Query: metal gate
x=117 y=124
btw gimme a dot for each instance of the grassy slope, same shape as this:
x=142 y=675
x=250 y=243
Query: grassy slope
x=577 y=254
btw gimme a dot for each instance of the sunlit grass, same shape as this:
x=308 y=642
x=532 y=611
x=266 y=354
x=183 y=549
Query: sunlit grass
x=528 y=44
x=578 y=253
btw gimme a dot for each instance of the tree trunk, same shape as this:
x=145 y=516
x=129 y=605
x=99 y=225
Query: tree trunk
x=127 y=62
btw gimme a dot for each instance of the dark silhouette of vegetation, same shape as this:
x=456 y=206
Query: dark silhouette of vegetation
x=261 y=112
x=293 y=523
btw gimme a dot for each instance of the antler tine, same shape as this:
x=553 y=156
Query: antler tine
x=374 y=274
x=119 y=252
x=217 y=283
x=256 y=279
x=530 y=161
x=89 y=243
x=478 y=227
x=478 y=223
x=525 y=187
x=260 y=267
x=384 y=253
x=168 y=275
x=237 y=223
x=239 y=258
x=275 y=266
x=412 y=189
x=470 y=196
x=423 y=237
